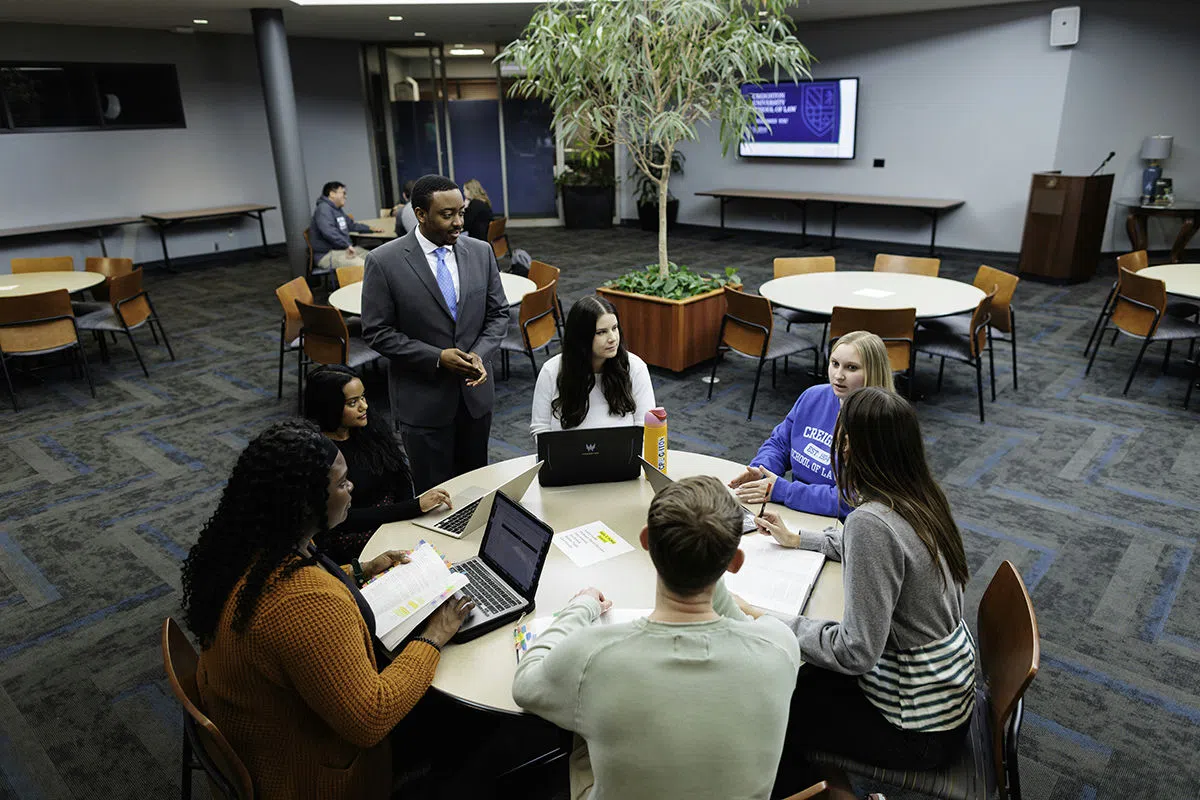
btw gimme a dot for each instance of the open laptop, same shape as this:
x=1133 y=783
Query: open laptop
x=505 y=574
x=591 y=455
x=474 y=505
x=659 y=481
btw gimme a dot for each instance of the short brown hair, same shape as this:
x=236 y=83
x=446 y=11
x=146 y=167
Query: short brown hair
x=694 y=527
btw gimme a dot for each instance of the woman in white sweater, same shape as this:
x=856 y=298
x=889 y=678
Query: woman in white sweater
x=595 y=382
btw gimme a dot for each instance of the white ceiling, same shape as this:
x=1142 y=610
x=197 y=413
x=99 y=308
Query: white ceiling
x=451 y=21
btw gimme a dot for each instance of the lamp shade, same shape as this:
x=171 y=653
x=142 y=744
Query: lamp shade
x=1157 y=148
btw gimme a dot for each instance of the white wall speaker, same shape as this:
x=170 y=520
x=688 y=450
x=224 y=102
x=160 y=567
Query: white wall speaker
x=1064 y=26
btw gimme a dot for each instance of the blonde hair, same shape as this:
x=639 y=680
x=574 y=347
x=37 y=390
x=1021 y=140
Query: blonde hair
x=877 y=367
x=475 y=191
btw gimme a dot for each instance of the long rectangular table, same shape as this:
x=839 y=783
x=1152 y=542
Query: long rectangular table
x=929 y=206
x=168 y=219
x=97 y=226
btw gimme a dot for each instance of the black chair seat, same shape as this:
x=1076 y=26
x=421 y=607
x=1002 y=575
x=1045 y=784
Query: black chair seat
x=945 y=342
x=799 y=317
x=1172 y=329
x=782 y=344
x=359 y=353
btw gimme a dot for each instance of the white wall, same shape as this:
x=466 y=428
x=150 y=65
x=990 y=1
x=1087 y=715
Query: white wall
x=1134 y=74
x=222 y=157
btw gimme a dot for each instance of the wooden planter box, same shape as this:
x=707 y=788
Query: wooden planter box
x=675 y=334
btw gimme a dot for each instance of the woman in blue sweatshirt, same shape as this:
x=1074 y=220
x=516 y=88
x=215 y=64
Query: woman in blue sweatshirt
x=801 y=442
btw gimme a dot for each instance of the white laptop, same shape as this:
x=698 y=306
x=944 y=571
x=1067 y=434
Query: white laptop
x=474 y=505
x=659 y=481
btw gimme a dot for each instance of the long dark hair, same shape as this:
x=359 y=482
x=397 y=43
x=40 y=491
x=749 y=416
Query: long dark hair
x=324 y=402
x=278 y=488
x=878 y=455
x=576 y=380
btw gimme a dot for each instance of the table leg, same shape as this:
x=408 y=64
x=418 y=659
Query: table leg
x=804 y=223
x=1135 y=227
x=723 y=200
x=933 y=233
x=1186 y=231
x=833 y=229
x=263 y=230
x=103 y=247
x=162 y=237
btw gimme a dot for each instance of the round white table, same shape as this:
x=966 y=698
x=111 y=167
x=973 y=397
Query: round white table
x=28 y=283
x=349 y=298
x=387 y=226
x=480 y=672
x=1181 y=279
x=818 y=293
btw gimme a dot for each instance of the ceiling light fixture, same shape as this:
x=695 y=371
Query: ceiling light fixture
x=418 y=33
x=395 y=18
x=467 y=51
x=199 y=22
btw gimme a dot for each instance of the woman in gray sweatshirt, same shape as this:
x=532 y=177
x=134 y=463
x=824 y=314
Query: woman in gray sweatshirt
x=893 y=683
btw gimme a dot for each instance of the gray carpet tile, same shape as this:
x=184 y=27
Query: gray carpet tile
x=1093 y=495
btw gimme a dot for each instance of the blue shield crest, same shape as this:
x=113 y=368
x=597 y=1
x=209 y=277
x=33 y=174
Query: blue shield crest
x=819 y=107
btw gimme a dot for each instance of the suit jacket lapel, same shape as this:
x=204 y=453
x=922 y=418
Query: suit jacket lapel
x=420 y=265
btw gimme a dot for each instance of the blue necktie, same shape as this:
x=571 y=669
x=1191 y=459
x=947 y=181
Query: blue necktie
x=446 y=283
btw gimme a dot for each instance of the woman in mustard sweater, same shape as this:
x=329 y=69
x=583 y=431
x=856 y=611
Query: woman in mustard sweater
x=288 y=669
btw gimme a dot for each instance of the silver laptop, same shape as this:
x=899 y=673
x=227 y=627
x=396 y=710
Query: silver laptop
x=659 y=481
x=505 y=574
x=474 y=505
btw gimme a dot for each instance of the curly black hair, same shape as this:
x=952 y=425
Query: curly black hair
x=324 y=402
x=278 y=488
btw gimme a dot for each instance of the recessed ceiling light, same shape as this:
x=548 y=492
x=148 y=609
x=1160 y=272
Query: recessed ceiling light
x=395 y=18
x=199 y=22
x=467 y=51
x=418 y=33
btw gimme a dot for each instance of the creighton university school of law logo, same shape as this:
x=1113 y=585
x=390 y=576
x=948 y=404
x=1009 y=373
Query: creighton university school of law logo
x=819 y=104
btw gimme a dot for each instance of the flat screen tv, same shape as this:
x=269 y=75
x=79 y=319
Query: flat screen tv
x=813 y=119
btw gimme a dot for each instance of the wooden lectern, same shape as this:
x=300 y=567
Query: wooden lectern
x=1064 y=226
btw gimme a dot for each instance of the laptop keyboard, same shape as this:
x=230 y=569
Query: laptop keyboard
x=490 y=596
x=456 y=522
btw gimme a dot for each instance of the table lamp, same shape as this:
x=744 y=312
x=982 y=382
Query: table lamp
x=1154 y=150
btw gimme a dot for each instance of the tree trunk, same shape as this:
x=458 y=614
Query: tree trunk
x=664 y=177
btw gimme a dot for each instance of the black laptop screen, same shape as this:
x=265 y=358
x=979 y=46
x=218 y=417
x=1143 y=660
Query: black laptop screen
x=516 y=543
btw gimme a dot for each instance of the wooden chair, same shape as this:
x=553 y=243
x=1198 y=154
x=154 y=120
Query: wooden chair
x=748 y=328
x=312 y=270
x=894 y=325
x=1004 y=319
x=349 y=275
x=804 y=266
x=1009 y=658
x=542 y=275
x=535 y=326
x=37 y=325
x=497 y=237
x=965 y=348
x=290 y=325
x=109 y=268
x=1140 y=311
x=204 y=746
x=911 y=265
x=130 y=309
x=324 y=339
x=1136 y=261
x=43 y=264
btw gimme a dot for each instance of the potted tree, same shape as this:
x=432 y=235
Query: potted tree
x=642 y=74
x=588 y=191
x=646 y=192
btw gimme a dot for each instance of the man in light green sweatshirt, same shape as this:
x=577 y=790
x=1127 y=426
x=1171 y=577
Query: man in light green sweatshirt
x=690 y=702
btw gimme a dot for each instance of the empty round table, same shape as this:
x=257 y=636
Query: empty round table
x=1181 y=279
x=819 y=292
x=348 y=299
x=27 y=283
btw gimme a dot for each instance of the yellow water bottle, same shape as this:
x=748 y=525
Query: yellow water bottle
x=654 y=443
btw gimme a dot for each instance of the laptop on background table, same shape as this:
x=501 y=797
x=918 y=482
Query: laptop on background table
x=591 y=455
x=659 y=481
x=474 y=506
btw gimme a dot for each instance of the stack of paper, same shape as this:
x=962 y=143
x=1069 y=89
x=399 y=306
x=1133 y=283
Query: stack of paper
x=774 y=578
x=523 y=635
x=592 y=543
x=406 y=594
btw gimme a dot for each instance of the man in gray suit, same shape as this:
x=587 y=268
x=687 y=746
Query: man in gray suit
x=433 y=304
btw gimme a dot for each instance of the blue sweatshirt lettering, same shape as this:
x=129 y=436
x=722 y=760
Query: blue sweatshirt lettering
x=801 y=443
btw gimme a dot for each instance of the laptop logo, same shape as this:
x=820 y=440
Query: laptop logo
x=591 y=448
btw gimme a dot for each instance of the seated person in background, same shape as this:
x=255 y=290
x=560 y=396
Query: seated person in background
x=893 y=683
x=478 y=213
x=688 y=702
x=801 y=441
x=595 y=382
x=287 y=669
x=330 y=230
x=406 y=217
x=336 y=400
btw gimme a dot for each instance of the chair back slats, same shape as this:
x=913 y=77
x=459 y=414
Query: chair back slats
x=979 y=323
x=537 y=316
x=288 y=294
x=43 y=264
x=497 y=237
x=1009 y=650
x=349 y=275
x=35 y=322
x=109 y=268
x=1005 y=284
x=326 y=340
x=748 y=322
x=542 y=273
x=128 y=300
x=181 y=662
x=894 y=325
x=1140 y=303
x=912 y=265
x=1136 y=261
x=804 y=265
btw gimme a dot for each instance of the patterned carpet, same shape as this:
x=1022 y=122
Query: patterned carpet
x=1093 y=496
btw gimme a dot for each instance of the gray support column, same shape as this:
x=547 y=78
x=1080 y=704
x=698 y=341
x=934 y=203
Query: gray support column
x=276 y=70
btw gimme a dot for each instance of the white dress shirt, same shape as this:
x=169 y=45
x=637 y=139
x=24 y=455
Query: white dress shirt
x=428 y=248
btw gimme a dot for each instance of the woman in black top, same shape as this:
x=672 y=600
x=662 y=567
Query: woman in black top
x=383 y=490
x=478 y=215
